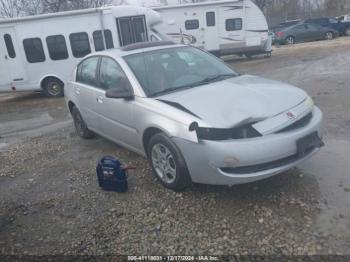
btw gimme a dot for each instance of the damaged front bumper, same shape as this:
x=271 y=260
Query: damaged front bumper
x=241 y=161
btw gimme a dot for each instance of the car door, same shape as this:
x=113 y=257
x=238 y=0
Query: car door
x=314 y=32
x=85 y=90
x=300 y=32
x=116 y=115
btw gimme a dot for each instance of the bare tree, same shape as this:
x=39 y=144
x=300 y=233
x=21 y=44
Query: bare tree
x=10 y=8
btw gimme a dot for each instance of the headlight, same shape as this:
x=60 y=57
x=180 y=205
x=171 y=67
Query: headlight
x=218 y=134
x=309 y=102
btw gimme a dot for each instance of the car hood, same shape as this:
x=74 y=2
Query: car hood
x=236 y=100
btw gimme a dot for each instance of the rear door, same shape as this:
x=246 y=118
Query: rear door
x=11 y=62
x=85 y=90
x=131 y=30
x=115 y=116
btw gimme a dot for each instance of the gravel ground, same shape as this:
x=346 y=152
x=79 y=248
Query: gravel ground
x=50 y=202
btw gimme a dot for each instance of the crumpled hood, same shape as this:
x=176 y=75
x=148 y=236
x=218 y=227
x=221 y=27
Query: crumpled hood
x=238 y=100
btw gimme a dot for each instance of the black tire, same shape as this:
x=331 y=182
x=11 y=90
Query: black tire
x=347 y=31
x=53 y=87
x=290 y=40
x=329 y=35
x=80 y=125
x=182 y=178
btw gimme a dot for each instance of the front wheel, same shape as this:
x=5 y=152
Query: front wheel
x=347 y=31
x=329 y=36
x=168 y=163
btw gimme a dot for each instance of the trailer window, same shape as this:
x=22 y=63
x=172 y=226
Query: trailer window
x=9 y=45
x=33 y=47
x=210 y=18
x=57 y=47
x=191 y=24
x=98 y=40
x=234 y=24
x=86 y=72
x=80 y=44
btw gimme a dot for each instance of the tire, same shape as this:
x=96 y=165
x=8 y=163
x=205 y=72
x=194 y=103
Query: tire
x=80 y=125
x=329 y=35
x=53 y=87
x=168 y=163
x=347 y=31
x=290 y=40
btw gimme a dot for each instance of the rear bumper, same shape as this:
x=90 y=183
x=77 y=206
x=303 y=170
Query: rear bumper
x=242 y=161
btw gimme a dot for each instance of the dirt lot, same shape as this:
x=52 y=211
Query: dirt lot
x=50 y=202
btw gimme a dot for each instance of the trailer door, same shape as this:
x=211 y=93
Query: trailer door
x=132 y=29
x=11 y=62
x=211 y=32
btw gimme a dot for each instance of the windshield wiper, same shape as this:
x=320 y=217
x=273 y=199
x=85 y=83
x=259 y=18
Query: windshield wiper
x=204 y=81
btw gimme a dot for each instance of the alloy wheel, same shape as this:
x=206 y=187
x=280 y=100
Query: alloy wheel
x=290 y=40
x=163 y=163
x=329 y=35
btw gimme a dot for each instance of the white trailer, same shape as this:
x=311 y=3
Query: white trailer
x=40 y=52
x=221 y=27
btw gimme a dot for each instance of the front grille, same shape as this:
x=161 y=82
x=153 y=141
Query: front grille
x=266 y=166
x=298 y=124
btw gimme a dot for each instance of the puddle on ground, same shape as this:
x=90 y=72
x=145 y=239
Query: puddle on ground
x=331 y=168
x=28 y=114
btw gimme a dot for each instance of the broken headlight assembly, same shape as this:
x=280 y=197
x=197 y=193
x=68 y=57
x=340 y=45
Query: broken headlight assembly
x=218 y=134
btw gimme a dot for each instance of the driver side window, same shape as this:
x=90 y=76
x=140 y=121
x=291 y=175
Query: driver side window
x=112 y=75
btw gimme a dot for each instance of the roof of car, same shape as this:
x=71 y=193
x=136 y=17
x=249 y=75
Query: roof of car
x=138 y=48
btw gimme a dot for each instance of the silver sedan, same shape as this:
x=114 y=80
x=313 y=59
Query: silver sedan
x=191 y=115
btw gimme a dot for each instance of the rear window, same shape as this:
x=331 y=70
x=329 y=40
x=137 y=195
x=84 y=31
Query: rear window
x=191 y=24
x=9 y=46
x=80 y=44
x=33 y=48
x=234 y=24
x=86 y=71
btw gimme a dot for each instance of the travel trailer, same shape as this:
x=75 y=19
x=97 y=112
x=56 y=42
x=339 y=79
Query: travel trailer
x=221 y=27
x=40 y=52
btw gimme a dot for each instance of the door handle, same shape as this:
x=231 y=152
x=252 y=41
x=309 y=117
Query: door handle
x=99 y=99
x=77 y=90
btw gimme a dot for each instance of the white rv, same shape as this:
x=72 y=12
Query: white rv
x=221 y=27
x=40 y=52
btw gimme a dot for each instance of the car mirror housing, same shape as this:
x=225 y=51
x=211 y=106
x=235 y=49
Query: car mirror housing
x=118 y=93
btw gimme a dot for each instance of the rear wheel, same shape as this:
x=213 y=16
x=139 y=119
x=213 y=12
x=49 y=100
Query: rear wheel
x=53 y=87
x=290 y=40
x=168 y=163
x=329 y=36
x=80 y=125
x=347 y=31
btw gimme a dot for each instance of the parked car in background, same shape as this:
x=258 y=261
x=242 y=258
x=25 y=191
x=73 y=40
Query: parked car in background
x=343 y=28
x=305 y=32
x=191 y=115
x=344 y=18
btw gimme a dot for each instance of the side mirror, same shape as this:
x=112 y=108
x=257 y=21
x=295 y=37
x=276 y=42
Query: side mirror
x=124 y=93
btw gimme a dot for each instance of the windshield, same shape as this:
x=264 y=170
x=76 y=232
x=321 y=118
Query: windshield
x=169 y=70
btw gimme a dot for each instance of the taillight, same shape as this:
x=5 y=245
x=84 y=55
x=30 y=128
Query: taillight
x=280 y=34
